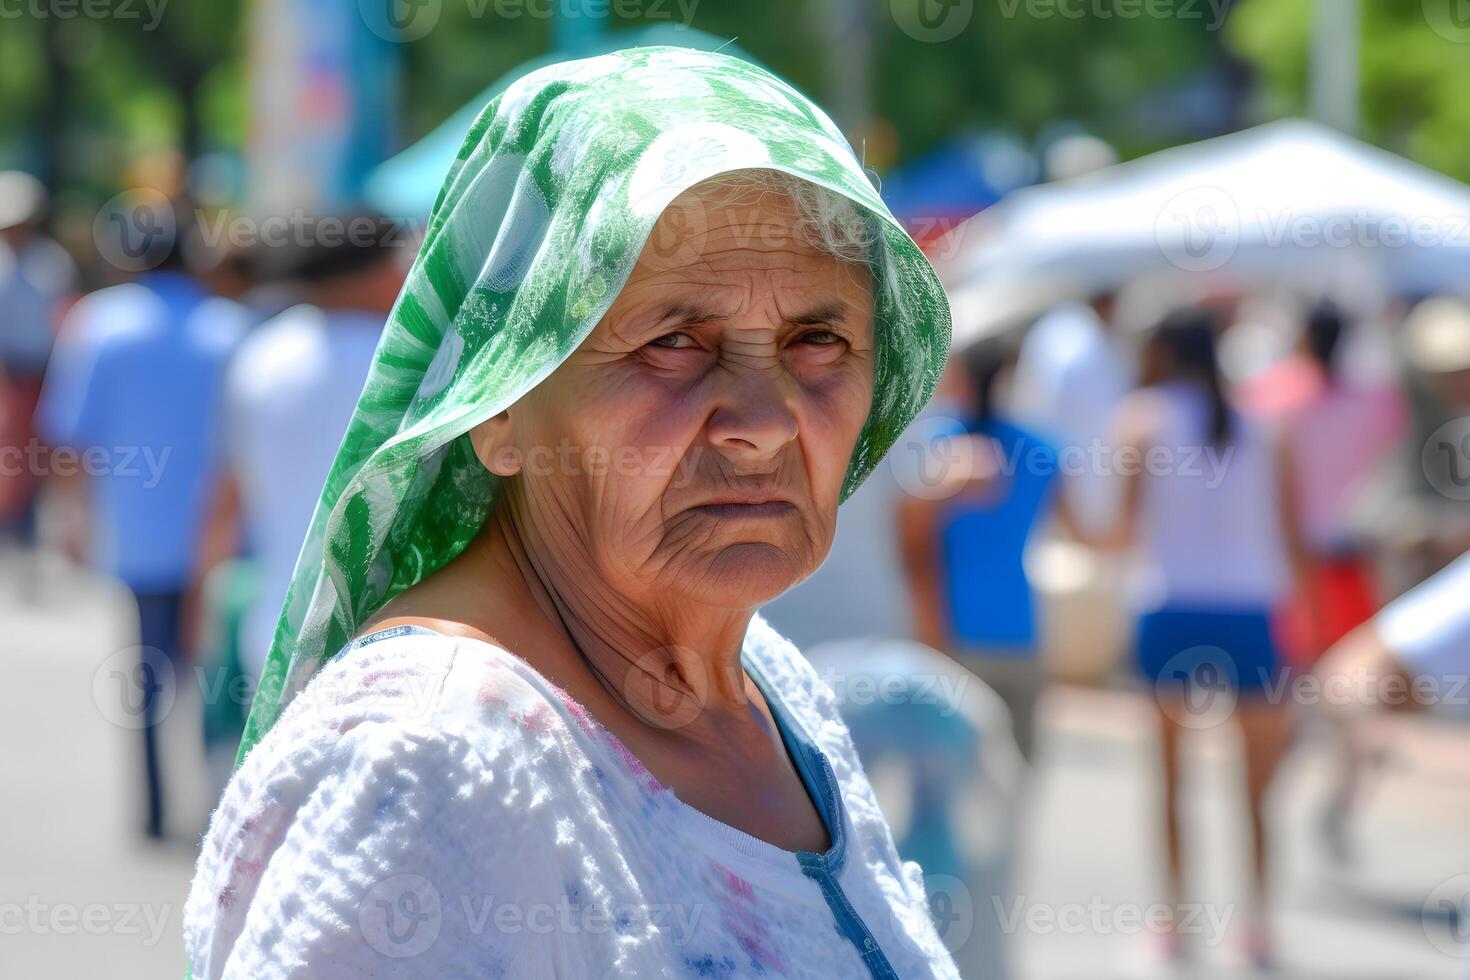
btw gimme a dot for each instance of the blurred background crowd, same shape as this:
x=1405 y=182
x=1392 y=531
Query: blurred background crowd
x=1153 y=631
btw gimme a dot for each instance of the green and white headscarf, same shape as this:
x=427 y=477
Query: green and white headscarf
x=535 y=231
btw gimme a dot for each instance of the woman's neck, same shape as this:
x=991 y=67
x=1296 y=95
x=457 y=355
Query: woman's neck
x=670 y=665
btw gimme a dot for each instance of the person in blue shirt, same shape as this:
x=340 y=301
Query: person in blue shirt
x=128 y=408
x=966 y=536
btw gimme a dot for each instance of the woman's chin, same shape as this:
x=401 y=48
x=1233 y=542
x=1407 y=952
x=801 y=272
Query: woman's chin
x=744 y=575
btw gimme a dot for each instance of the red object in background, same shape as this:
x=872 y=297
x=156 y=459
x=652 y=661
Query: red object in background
x=931 y=232
x=18 y=400
x=1345 y=599
x=17 y=482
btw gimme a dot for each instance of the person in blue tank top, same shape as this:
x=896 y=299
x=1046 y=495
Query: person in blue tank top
x=966 y=536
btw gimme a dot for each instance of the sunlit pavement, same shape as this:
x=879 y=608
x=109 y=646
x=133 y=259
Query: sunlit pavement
x=81 y=895
x=1096 y=853
x=82 y=892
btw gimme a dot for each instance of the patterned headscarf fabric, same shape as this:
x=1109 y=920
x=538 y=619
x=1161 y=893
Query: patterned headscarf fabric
x=536 y=229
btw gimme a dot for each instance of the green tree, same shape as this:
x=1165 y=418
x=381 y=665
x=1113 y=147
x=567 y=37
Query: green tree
x=74 y=88
x=95 y=91
x=1414 y=61
x=1020 y=64
x=1024 y=64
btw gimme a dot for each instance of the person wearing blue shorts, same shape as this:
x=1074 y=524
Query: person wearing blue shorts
x=1208 y=520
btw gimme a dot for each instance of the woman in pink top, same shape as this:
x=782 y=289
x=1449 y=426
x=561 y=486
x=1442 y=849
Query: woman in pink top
x=1339 y=431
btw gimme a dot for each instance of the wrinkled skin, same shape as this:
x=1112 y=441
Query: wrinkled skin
x=737 y=361
x=740 y=361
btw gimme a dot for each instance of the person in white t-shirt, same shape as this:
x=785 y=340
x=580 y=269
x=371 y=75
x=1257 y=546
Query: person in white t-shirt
x=289 y=393
x=1070 y=377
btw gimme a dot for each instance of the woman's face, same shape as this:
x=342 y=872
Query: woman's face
x=694 y=446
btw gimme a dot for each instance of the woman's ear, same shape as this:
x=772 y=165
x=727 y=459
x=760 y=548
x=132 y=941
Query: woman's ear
x=494 y=446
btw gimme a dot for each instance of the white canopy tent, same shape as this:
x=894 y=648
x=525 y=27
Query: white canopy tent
x=1291 y=199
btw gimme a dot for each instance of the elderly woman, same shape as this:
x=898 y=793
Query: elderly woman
x=521 y=718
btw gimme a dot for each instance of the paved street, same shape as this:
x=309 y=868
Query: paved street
x=1096 y=834
x=81 y=896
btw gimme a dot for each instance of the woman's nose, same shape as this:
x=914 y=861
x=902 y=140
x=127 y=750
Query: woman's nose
x=753 y=419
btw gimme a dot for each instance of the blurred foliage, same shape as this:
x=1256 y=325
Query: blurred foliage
x=1019 y=64
x=1415 y=80
x=88 y=92
x=110 y=90
x=78 y=94
x=459 y=58
x=1012 y=69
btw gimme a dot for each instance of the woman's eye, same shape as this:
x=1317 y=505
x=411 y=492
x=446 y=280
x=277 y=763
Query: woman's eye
x=673 y=341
